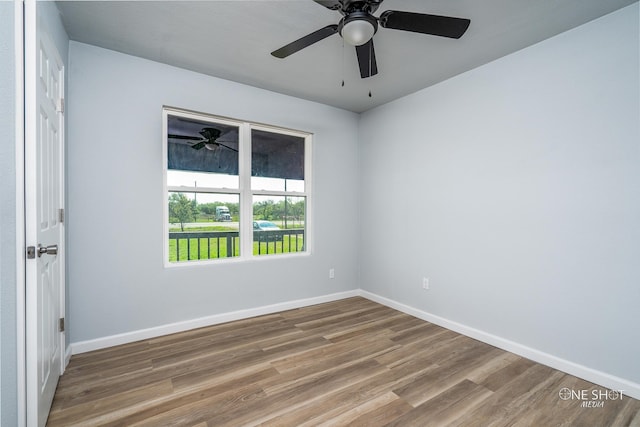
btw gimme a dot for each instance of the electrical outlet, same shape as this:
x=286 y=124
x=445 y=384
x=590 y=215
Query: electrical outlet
x=332 y=273
x=425 y=283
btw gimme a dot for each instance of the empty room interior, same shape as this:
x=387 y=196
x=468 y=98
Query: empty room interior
x=245 y=213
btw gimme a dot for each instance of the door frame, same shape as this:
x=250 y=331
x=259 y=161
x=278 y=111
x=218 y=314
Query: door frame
x=19 y=35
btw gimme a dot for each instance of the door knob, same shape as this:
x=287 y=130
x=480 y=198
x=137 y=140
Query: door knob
x=49 y=250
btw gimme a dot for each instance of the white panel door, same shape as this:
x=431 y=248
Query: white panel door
x=44 y=184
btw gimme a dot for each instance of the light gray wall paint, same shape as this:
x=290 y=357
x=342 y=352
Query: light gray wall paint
x=515 y=188
x=8 y=339
x=116 y=278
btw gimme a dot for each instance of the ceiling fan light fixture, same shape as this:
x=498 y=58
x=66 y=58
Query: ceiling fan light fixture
x=358 y=28
x=357 y=32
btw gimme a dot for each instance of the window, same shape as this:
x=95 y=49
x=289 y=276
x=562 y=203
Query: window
x=233 y=189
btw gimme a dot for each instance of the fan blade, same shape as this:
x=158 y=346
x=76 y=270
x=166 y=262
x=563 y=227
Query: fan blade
x=305 y=41
x=367 y=59
x=191 y=138
x=330 y=4
x=443 y=26
x=199 y=145
x=226 y=146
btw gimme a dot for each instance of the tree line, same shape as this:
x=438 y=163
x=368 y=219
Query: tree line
x=183 y=210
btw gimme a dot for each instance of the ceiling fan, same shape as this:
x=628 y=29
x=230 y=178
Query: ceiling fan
x=208 y=140
x=358 y=25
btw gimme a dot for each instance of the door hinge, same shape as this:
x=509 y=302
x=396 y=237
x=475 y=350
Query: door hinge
x=31 y=252
x=61 y=105
x=61 y=215
x=61 y=324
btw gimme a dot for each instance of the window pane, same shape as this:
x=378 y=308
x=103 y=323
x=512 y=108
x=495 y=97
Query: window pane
x=203 y=226
x=278 y=224
x=277 y=161
x=201 y=153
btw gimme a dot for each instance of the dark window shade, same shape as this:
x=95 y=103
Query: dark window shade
x=183 y=157
x=274 y=155
x=184 y=133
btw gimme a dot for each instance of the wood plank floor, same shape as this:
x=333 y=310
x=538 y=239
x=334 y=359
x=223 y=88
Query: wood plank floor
x=351 y=362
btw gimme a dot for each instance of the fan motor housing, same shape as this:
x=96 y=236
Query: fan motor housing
x=350 y=6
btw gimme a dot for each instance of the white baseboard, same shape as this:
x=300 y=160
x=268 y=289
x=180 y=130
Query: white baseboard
x=603 y=379
x=128 y=337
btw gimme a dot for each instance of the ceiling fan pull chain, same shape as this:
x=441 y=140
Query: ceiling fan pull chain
x=370 y=60
x=342 y=62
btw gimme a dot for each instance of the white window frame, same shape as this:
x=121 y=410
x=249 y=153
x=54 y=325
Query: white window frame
x=244 y=190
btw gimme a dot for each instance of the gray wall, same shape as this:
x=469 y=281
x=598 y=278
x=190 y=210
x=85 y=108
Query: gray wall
x=515 y=188
x=116 y=279
x=8 y=340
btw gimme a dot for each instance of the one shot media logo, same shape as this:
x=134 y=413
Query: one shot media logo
x=590 y=398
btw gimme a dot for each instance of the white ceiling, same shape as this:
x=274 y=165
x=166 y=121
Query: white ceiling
x=233 y=40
